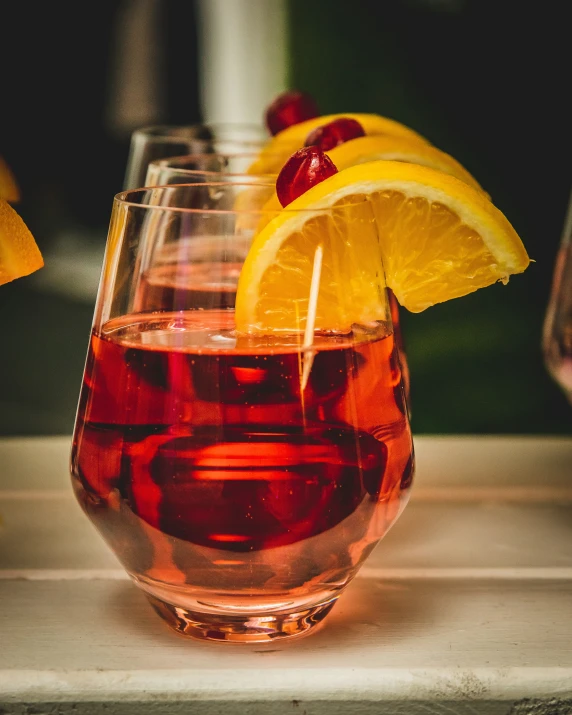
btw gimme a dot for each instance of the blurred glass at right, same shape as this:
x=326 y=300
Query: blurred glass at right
x=557 y=333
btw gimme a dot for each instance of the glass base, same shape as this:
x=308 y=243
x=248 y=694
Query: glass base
x=241 y=628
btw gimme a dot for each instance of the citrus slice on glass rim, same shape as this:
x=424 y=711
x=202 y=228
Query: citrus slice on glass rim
x=375 y=148
x=277 y=150
x=19 y=252
x=438 y=238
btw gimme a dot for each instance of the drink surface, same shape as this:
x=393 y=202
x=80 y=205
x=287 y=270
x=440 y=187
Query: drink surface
x=194 y=447
x=212 y=285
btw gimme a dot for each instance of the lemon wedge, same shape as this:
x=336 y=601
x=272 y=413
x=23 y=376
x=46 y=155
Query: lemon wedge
x=19 y=253
x=435 y=238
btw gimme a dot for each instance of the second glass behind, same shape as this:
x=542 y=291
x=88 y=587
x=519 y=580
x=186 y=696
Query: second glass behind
x=242 y=478
x=214 y=167
x=252 y=196
x=163 y=141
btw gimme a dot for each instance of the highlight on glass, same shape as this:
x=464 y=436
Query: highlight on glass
x=242 y=476
x=557 y=328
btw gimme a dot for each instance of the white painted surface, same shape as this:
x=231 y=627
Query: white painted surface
x=242 y=58
x=465 y=607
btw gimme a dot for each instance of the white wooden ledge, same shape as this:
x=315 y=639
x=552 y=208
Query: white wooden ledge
x=465 y=607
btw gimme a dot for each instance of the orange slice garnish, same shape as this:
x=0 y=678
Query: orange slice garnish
x=19 y=252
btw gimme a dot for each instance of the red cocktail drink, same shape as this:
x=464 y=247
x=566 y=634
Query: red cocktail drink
x=197 y=453
x=241 y=479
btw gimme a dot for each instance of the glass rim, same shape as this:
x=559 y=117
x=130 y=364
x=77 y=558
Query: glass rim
x=121 y=199
x=173 y=162
x=169 y=161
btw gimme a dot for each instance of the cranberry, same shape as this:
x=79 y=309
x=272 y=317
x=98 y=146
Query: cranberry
x=337 y=132
x=305 y=168
x=290 y=108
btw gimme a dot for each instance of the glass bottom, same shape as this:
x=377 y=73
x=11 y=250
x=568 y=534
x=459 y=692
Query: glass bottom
x=241 y=628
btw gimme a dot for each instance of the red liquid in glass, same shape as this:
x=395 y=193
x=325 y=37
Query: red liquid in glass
x=208 y=467
x=213 y=285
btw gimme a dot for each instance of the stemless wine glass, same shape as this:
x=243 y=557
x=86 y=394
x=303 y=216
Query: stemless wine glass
x=557 y=328
x=162 y=141
x=241 y=478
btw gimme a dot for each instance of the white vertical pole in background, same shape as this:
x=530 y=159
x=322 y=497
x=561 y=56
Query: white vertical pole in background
x=242 y=58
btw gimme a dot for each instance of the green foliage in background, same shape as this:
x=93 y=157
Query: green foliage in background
x=445 y=68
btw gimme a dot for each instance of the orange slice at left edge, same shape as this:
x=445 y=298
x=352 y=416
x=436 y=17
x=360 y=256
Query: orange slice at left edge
x=19 y=252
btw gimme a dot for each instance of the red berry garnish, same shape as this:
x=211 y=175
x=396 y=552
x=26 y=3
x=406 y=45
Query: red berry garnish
x=337 y=132
x=305 y=168
x=289 y=108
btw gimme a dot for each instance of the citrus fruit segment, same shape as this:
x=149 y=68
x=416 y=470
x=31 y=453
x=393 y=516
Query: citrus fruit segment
x=275 y=291
x=278 y=148
x=19 y=253
x=9 y=189
x=438 y=238
x=374 y=148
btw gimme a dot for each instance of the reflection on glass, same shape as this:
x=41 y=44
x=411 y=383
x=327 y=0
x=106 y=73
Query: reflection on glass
x=557 y=334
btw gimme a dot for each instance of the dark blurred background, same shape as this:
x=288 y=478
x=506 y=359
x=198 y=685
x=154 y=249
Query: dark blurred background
x=483 y=80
